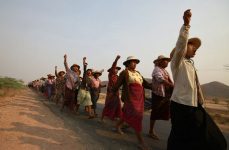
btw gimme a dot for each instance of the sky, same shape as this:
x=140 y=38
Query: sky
x=35 y=35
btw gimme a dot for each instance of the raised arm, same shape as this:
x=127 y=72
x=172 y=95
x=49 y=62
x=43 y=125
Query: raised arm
x=84 y=65
x=83 y=83
x=181 y=46
x=113 y=67
x=56 y=72
x=66 y=63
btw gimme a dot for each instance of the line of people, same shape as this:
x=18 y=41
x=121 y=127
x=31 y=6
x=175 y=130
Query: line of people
x=85 y=91
x=183 y=101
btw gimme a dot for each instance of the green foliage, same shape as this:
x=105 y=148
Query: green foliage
x=10 y=83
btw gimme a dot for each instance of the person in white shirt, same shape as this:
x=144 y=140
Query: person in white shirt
x=192 y=128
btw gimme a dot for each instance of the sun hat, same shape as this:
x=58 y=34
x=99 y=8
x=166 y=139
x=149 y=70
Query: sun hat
x=42 y=78
x=195 y=41
x=50 y=75
x=118 y=68
x=130 y=58
x=161 y=57
x=97 y=72
x=61 y=72
x=75 y=65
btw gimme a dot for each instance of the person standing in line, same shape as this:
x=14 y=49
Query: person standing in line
x=133 y=96
x=50 y=84
x=42 y=85
x=192 y=127
x=84 y=96
x=60 y=85
x=74 y=104
x=162 y=86
x=95 y=89
x=112 y=108
x=89 y=78
x=72 y=81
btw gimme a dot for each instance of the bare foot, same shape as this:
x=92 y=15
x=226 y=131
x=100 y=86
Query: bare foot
x=154 y=136
x=142 y=146
x=118 y=130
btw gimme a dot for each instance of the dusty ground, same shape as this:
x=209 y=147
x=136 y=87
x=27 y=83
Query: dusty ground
x=29 y=122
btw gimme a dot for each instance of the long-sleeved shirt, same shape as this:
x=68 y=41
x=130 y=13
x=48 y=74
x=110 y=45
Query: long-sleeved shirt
x=72 y=78
x=186 y=90
x=112 y=77
x=123 y=80
x=159 y=75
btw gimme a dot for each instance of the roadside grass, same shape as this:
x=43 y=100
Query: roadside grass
x=10 y=86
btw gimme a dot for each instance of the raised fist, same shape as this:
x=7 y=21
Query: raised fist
x=187 y=17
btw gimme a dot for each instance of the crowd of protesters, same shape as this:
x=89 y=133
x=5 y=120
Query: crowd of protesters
x=192 y=128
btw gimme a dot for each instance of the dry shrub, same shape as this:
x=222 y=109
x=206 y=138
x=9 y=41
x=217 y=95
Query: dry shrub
x=10 y=86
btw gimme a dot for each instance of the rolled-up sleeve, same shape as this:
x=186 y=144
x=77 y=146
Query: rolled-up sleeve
x=158 y=75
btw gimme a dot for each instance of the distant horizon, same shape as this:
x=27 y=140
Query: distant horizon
x=35 y=35
x=26 y=82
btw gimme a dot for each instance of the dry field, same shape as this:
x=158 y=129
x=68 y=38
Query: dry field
x=31 y=122
x=219 y=110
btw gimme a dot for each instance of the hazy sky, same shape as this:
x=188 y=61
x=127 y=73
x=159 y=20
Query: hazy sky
x=35 y=34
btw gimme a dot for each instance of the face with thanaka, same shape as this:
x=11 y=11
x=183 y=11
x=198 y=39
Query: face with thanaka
x=132 y=64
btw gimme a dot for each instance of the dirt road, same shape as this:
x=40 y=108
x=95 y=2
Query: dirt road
x=29 y=122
